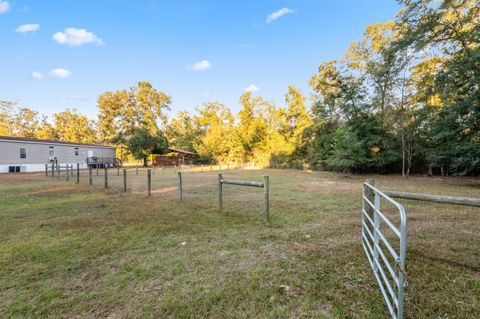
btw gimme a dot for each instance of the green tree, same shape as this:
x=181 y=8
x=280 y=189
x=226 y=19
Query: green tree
x=215 y=139
x=297 y=119
x=122 y=112
x=182 y=132
x=142 y=143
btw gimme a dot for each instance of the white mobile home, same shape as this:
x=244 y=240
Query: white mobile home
x=18 y=154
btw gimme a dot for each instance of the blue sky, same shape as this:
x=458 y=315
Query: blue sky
x=195 y=51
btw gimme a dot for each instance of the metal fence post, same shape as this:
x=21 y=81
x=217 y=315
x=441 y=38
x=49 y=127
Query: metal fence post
x=90 y=177
x=97 y=169
x=71 y=170
x=106 y=176
x=46 y=169
x=220 y=191
x=125 y=180
x=376 y=222
x=78 y=173
x=149 y=182
x=68 y=174
x=370 y=196
x=180 y=185
x=53 y=169
x=266 y=194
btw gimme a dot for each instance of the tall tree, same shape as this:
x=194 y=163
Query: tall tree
x=6 y=114
x=182 y=131
x=142 y=143
x=71 y=126
x=298 y=119
x=215 y=132
x=141 y=106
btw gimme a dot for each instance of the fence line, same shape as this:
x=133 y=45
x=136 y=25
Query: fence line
x=465 y=201
x=264 y=185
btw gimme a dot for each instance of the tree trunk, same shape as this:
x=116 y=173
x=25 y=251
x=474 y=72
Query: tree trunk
x=145 y=162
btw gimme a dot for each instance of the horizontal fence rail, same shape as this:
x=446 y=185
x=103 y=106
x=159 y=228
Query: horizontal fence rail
x=243 y=183
x=465 y=201
x=266 y=192
x=390 y=277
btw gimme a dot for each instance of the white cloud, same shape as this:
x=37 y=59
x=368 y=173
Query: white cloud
x=60 y=73
x=4 y=6
x=252 y=88
x=37 y=76
x=29 y=27
x=277 y=14
x=201 y=66
x=76 y=37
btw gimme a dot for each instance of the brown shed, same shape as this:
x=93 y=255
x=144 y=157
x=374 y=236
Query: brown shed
x=175 y=157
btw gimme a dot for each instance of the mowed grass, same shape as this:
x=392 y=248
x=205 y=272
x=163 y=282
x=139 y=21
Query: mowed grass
x=80 y=251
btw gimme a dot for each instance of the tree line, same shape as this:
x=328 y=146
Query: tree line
x=405 y=98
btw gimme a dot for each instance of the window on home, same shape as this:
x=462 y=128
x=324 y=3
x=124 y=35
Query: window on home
x=23 y=152
x=76 y=151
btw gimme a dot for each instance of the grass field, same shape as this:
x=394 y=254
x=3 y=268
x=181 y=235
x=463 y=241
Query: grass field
x=79 y=251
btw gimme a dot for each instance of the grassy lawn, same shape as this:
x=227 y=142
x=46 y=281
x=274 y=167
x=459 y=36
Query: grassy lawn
x=79 y=251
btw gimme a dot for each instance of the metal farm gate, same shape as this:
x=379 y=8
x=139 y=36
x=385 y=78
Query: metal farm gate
x=384 y=235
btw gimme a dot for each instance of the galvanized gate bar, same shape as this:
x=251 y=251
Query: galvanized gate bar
x=372 y=240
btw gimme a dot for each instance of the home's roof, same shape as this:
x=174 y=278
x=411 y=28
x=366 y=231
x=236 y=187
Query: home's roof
x=180 y=151
x=36 y=140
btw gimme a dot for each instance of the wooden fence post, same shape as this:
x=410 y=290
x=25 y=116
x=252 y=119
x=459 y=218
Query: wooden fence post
x=46 y=169
x=68 y=173
x=220 y=192
x=149 y=182
x=90 y=178
x=125 y=180
x=106 y=176
x=71 y=170
x=180 y=186
x=137 y=169
x=266 y=194
x=78 y=173
x=53 y=170
x=97 y=168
